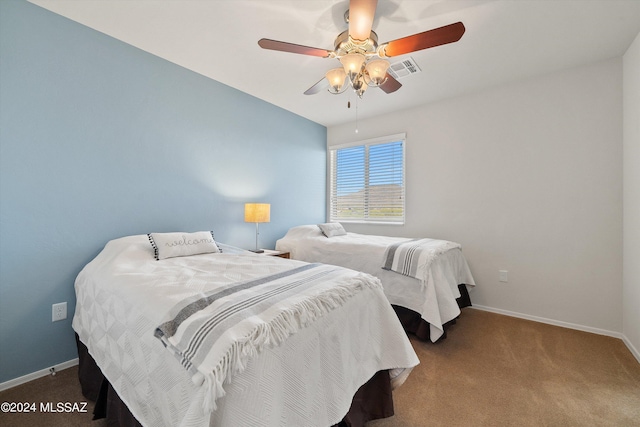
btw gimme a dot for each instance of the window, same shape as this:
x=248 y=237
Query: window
x=367 y=181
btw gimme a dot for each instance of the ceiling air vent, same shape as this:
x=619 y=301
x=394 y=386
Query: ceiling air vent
x=403 y=68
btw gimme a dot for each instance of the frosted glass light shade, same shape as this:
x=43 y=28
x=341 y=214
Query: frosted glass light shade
x=377 y=70
x=352 y=64
x=336 y=78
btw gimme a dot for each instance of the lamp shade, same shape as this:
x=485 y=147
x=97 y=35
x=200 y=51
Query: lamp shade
x=257 y=212
x=352 y=64
x=336 y=78
x=377 y=70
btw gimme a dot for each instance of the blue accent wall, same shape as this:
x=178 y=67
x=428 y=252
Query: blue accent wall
x=99 y=140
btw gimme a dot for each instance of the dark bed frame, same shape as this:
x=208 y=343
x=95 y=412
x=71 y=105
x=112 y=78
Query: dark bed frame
x=413 y=323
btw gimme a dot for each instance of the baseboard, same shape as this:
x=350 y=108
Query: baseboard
x=550 y=321
x=631 y=348
x=38 y=374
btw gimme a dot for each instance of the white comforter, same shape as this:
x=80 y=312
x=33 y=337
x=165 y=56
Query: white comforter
x=124 y=293
x=434 y=297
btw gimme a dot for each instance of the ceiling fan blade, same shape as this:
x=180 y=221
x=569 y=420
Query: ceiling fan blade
x=361 y=14
x=293 y=48
x=390 y=84
x=321 y=85
x=436 y=37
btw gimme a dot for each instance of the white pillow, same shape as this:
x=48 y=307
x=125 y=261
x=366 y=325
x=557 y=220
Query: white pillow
x=303 y=232
x=169 y=245
x=332 y=229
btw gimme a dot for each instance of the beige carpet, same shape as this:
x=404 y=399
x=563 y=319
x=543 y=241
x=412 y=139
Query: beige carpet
x=63 y=387
x=495 y=370
x=492 y=370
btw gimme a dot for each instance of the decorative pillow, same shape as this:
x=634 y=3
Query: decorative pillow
x=332 y=229
x=169 y=245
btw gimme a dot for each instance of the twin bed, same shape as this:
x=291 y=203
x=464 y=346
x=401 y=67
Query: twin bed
x=179 y=330
x=426 y=294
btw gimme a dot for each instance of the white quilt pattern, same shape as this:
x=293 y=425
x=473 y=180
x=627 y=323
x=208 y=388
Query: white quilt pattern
x=308 y=380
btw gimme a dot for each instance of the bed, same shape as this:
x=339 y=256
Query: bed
x=278 y=352
x=426 y=304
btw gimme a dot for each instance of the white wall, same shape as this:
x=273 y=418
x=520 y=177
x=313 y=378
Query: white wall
x=528 y=178
x=631 y=168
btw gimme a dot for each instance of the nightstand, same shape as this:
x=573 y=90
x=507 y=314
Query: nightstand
x=280 y=254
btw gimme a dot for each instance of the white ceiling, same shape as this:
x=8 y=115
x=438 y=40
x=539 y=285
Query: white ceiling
x=505 y=40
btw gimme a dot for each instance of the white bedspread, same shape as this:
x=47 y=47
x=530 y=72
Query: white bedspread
x=434 y=297
x=124 y=294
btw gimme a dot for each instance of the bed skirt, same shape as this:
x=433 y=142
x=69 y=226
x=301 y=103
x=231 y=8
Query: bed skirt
x=372 y=401
x=414 y=324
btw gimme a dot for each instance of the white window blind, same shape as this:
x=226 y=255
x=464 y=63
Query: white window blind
x=367 y=181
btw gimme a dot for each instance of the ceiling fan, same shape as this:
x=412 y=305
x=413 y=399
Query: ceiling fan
x=362 y=58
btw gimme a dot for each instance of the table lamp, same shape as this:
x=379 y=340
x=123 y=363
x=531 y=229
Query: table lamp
x=257 y=212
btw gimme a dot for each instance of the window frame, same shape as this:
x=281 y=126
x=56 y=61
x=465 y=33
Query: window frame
x=331 y=172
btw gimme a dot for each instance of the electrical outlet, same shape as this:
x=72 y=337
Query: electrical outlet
x=58 y=311
x=504 y=275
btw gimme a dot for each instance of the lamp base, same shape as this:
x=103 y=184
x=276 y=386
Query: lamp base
x=257 y=251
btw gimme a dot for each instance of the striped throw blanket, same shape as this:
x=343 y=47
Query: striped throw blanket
x=414 y=257
x=214 y=334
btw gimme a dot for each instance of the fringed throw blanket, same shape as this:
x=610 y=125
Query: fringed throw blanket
x=414 y=257
x=214 y=334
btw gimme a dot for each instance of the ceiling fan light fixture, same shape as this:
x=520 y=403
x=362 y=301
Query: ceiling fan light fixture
x=352 y=64
x=377 y=71
x=336 y=78
x=362 y=58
